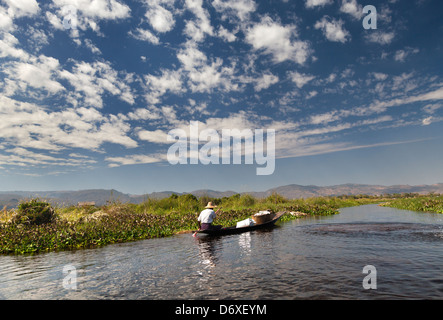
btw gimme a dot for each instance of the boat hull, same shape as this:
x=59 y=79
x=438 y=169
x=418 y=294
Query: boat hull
x=234 y=230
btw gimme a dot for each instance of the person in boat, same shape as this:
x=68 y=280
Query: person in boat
x=206 y=218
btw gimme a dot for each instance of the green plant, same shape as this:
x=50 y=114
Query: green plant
x=34 y=212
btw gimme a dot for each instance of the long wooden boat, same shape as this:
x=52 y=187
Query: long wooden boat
x=234 y=230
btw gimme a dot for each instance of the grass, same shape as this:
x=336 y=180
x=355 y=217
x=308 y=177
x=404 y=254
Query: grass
x=76 y=227
x=425 y=203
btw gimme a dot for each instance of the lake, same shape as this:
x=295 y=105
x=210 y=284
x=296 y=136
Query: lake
x=308 y=258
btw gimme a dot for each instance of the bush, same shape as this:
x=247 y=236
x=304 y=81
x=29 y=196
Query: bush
x=34 y=212
x=276 y=198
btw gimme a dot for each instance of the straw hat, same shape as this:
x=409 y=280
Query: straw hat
x=210 y=205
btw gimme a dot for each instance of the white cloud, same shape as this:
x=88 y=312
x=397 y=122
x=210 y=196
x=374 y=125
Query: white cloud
x=431 y=108
x=97 y=9
x=8 y=48
x=87 y=14
x=92 y=80
x=160 y=18
x=277 y=40
x=205 y=74
x=300 y=79
x=39 y=73
x=6 y=23
x=91 y=46
x=381 y=106
x=226 y=35
x=144 y=114
x=235 y=9
x=37 y=38
x=22 y=8
x=133 y=159
x=198 y=28
x=324 y=118
x=54 y=20
x=352 y=8
x=333 y=29
x=265 y=81
x=316 y=3
x=379 y=76
x=427 y=121
x=22 y=157
x=32 y=126
x=380 y=37
x=156 y=136
x=144 y=35
x=157 y=86
x=401 y=55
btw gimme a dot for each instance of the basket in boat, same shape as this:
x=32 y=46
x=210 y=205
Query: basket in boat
x=263 y=216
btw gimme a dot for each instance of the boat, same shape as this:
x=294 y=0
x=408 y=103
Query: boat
x=234 y=230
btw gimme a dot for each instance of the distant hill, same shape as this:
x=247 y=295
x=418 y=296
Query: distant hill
x=292 y=191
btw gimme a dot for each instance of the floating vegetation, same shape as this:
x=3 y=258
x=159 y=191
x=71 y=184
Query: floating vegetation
x=426 y=203
x=37 y=227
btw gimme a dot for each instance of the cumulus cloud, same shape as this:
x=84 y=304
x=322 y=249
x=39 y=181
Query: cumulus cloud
x=352 y=8
x=33 y=126
x=39 y=75
x=156 y=136
x=300 y=79
x=197 y=28
x=278 y=41
x=8 y=48
x=401 y=55
x=144 y=35
x=6 y=23
x=333 y=29
x=22 y=8
x=380 y=37
x=265 y=81
x=317 y=3
x=205 y=74
x=226 y=35
x=92 y=80
x=235 y=9
x=157 y=86
x=161 y=19
x=87 y=14
x=97 y=9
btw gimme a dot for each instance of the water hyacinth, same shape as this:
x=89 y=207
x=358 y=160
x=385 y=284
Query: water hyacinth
x=75 y=228
x=429 y=203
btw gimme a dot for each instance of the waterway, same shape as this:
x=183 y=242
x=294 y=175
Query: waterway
x=307 y=258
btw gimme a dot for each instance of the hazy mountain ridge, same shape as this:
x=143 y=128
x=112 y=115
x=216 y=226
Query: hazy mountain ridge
x=292 y=191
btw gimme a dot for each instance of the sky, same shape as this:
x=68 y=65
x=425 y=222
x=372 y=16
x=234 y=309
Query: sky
x=90 y=89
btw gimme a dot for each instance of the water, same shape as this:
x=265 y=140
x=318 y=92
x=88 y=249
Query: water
x=311 y=258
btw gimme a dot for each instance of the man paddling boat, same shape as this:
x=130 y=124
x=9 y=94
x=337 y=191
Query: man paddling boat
x=206 y=218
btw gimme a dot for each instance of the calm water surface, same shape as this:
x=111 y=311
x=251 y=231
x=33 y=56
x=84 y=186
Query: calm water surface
x=312 y=258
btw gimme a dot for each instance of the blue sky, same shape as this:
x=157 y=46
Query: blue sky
x=90 y=89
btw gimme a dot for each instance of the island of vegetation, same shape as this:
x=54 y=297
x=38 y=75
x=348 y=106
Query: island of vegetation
x=37 y=226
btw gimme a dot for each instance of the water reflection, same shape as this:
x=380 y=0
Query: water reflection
x=207 y=251
x=244 y=241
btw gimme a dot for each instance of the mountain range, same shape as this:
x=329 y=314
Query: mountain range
x=292 y=191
